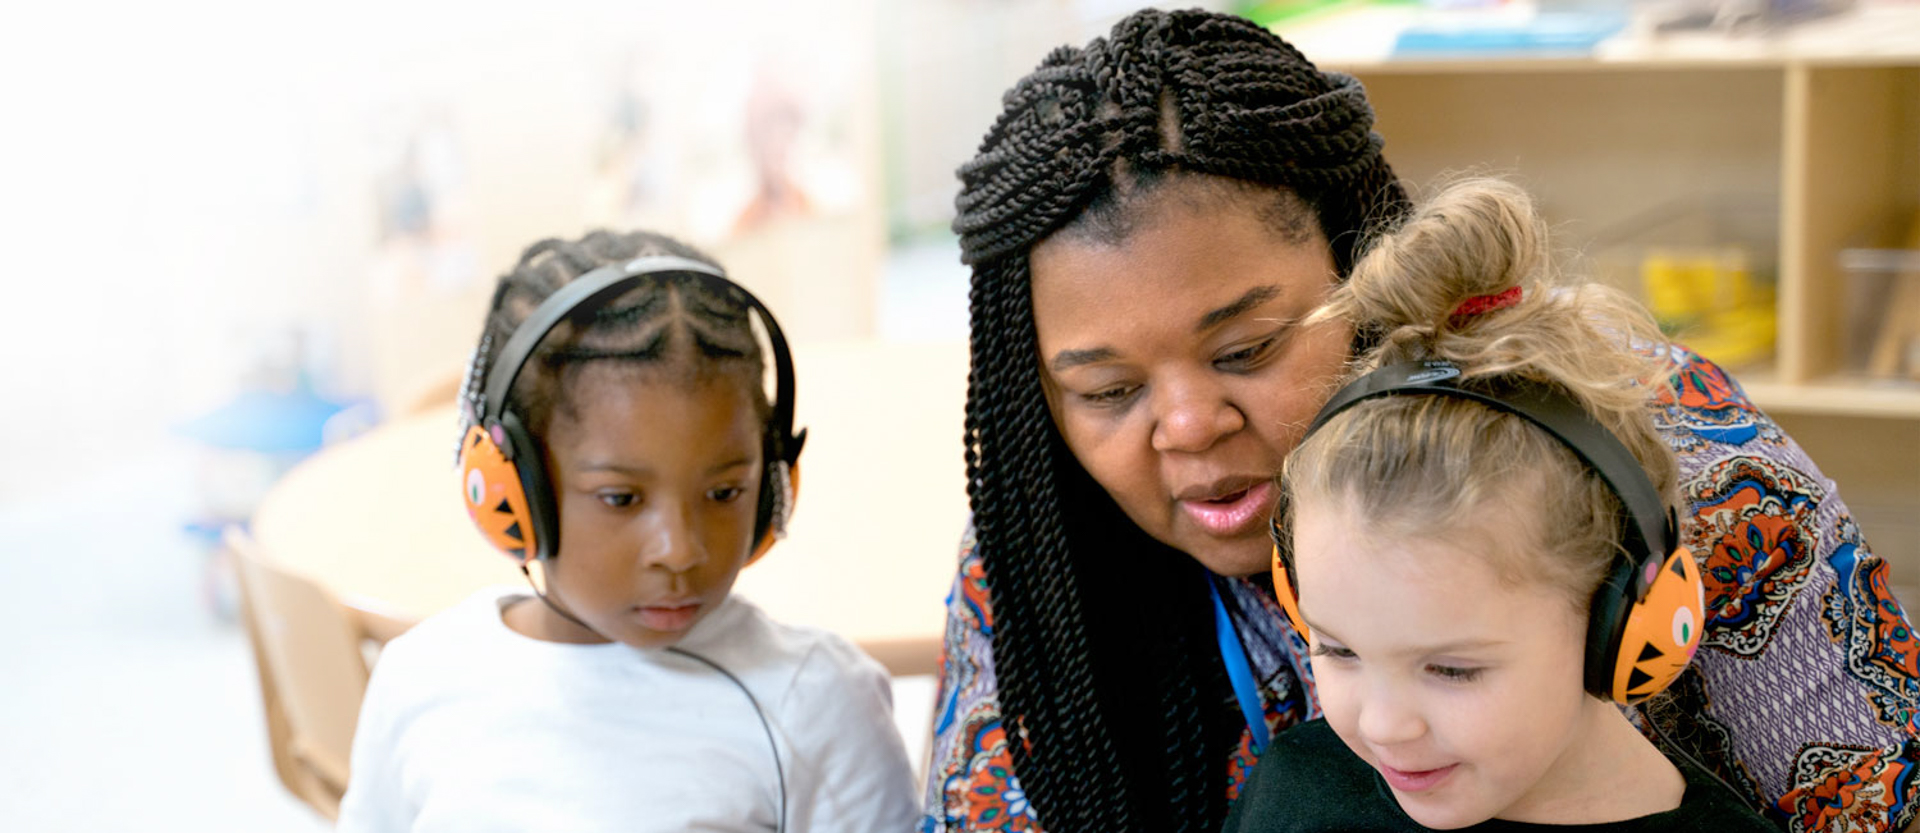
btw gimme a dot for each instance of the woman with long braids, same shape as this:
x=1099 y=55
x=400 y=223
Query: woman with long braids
x=1149 y=222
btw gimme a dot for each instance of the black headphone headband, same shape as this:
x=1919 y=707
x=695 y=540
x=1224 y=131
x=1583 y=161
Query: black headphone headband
x=609 y=281
x=1552 y=410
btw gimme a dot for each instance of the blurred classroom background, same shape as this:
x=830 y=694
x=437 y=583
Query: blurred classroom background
x=248 y=242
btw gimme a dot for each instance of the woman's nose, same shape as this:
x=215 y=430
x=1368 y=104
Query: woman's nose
x=1192 y=415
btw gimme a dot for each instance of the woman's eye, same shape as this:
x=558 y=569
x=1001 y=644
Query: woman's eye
x=725 y=494
x=1246 y=355
x=1454 y=673
x=618 y=499
x=1109 y=396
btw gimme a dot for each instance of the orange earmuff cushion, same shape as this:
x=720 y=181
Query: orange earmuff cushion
x=1289 y=600
x=1662 y=630
x=494 y=497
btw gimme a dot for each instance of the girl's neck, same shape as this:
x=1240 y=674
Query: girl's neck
x=533 y=619
x=1609 y=772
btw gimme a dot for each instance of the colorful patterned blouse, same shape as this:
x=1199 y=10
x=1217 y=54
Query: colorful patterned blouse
x=1803 y=694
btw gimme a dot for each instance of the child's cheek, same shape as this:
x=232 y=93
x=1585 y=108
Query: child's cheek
x=1341 y=711
x=1332 y=686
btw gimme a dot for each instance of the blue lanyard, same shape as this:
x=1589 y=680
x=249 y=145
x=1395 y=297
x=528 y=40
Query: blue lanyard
x=1238 y=671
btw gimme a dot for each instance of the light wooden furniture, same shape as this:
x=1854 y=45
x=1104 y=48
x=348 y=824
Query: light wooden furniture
x=1899 y=336
x=307 y=648
x=1828 y=142
x=378 y=521
x=1816 y=127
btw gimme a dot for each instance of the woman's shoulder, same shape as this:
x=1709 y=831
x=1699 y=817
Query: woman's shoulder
x=1703 y=398
x=1729 y=450
x=1784 y=564
x=968 y=603
x=1707 y=418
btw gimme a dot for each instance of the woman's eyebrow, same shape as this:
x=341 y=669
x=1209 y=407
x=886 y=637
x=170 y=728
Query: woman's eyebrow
x=1068 y=359
x=1254 y=297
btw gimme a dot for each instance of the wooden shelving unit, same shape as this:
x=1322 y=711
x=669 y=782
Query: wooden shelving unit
x=1820 y=127
x=1829 y=140
x=1832 y=398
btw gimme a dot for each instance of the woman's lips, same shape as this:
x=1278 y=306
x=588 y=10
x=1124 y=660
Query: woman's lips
x=1407 y=781
x=1228 y=514
x=667 y=618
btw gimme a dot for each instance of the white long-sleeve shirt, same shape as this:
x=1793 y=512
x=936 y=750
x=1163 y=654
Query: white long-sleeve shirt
x=468 y=726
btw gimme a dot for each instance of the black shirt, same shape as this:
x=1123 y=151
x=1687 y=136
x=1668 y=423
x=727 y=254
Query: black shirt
x=1308 y=781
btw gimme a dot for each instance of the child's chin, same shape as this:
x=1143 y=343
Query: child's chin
x=652 y=642
x=1439 y=815
x=647 y=639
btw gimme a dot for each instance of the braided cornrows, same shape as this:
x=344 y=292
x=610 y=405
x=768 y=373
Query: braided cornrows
x=673 y=323
x=1186 y=91
x=1115 y=724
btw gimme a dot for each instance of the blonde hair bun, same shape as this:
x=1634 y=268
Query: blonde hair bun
x=1476 y=237
x=1421 y=463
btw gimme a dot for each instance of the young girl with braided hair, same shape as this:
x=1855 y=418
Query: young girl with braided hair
x=1450 y=557
x=1149 y=222
x=619 y=442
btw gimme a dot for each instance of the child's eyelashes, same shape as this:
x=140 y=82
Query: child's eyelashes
x=1332 y=651
x=631 y=499
x=1448 y=673
x=617 y=498
x=1455 y=673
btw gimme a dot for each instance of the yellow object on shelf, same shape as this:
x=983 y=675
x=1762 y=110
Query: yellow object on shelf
x=1708 y=299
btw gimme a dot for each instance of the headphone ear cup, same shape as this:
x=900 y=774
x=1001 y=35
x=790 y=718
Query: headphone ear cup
x=534 y=487
x=1289 y=599
x=1661 y=631
x=494 y=494
x=789 y=495
x=778 y=487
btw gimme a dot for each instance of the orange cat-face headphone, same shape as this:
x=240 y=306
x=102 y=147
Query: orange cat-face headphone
x=1645 y=620
x=502 y=477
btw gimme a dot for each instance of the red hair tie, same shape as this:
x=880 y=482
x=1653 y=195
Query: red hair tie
x=1485 y=303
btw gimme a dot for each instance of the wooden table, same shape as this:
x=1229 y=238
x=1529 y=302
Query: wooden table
x=378 y=520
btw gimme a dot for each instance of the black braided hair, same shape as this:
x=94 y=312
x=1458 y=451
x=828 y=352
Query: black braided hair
x=1118 y=712
x=671 y=323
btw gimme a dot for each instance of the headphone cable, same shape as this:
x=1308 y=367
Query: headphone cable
x=773 y=746
x=1654 y=724
x=562 y=612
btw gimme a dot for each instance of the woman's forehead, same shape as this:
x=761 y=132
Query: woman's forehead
x=1126 y=204
x=1188 y=267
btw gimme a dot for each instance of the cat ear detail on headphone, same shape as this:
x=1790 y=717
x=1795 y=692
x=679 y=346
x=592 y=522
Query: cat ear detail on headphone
x=1662 y=629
